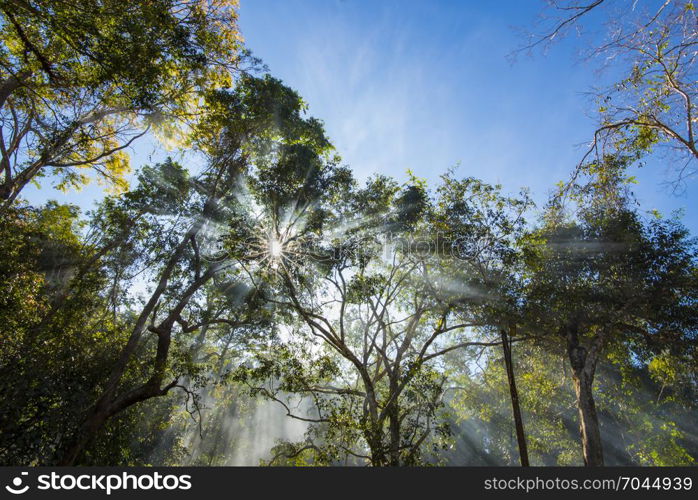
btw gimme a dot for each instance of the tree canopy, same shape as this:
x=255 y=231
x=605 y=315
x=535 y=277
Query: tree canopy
x=80 y=82
x=267 y=305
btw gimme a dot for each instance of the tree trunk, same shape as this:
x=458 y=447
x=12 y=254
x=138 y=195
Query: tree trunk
x=583 y=365
x=588 y=420
x=518 y=420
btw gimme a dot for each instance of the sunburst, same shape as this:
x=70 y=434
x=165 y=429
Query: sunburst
x=275 y=249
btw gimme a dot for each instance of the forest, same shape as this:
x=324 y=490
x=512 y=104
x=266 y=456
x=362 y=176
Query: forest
x=256 y=302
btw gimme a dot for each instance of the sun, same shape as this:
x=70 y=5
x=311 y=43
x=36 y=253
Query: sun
x=275 y=248
x=275 y=245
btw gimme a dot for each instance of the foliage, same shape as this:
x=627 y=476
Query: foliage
x=79 y=82
x=269 y=290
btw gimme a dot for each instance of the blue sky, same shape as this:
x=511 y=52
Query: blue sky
x=426 y=85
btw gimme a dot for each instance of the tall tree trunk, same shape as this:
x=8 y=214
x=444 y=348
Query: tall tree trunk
x=583 y=365
x=588 y=420
x=518 y=420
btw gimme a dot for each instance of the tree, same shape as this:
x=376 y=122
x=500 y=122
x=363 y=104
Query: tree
x=484 y=227
x=187 y=214
x=79 y=82
x=379 y=301
x=654 y=102
x=607 y=278
x=52 y=358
